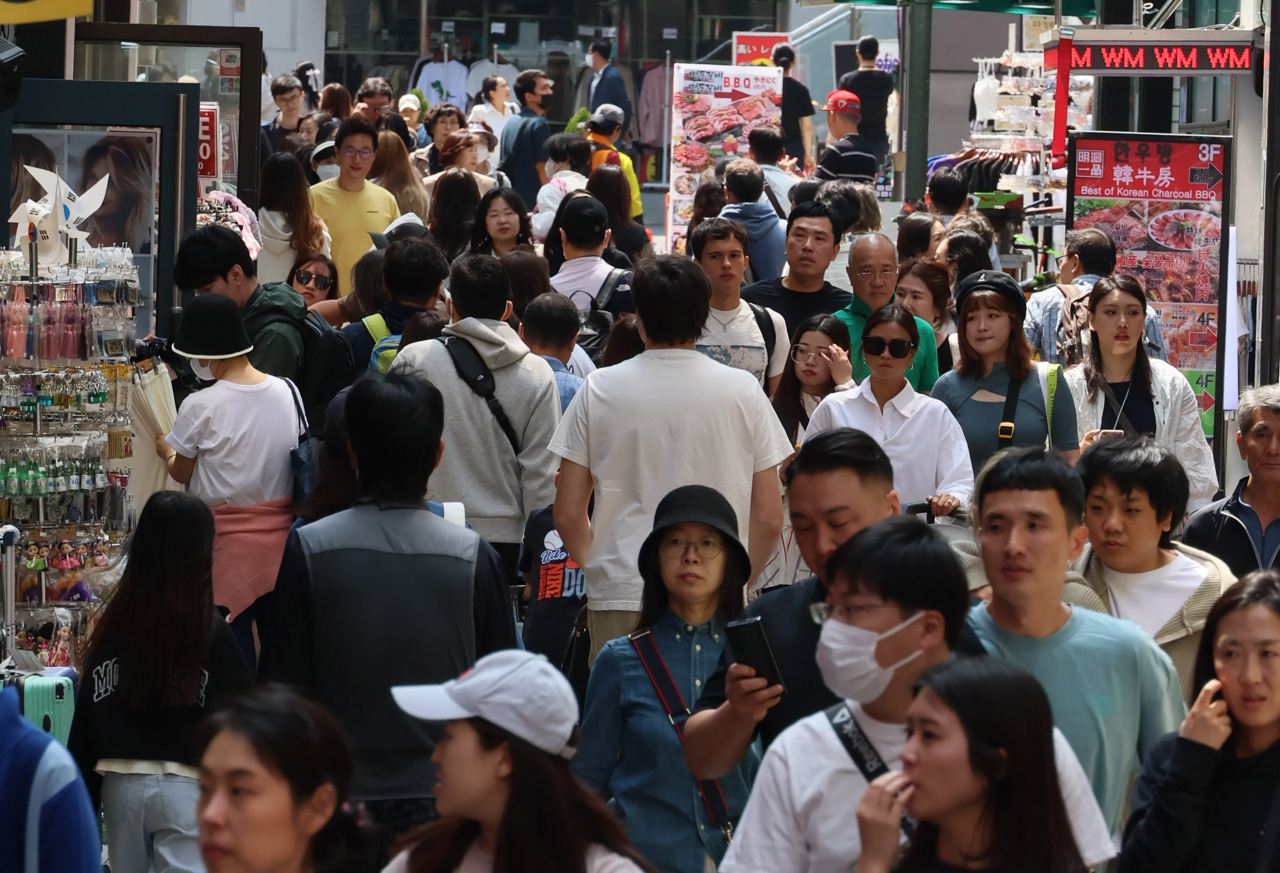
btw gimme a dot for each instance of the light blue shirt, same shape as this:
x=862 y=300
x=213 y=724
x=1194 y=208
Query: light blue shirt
x=1044 y=315
x=568 y=383
x=1114 y=693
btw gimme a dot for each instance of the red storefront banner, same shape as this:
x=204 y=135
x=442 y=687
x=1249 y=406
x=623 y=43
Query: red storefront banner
x=750 y=47
x=209 y=148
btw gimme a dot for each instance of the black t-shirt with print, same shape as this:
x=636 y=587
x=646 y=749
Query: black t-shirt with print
x=796 y=306
x=559 y=588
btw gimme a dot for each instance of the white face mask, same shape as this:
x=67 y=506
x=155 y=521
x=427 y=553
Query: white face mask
x=482 y=154
x=202 y=370
x=328 y=171
x=847 y=659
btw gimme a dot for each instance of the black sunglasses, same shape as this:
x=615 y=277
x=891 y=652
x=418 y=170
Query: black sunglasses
x=875 y=346
x=322 y=282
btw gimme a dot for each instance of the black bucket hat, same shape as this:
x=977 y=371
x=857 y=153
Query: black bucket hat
x=212 y=329
x=690 y=503
x=993 y=280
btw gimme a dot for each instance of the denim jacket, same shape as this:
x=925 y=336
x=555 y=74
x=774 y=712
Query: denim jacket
x=630 y=752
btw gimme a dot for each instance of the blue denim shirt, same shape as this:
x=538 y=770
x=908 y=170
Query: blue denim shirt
x=631 y=753
x=567 y=383
x=1044 y=316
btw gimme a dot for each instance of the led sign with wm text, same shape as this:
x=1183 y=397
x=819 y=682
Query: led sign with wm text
x=1174 y=58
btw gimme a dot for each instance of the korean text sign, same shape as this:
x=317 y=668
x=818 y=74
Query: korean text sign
x=750 y=47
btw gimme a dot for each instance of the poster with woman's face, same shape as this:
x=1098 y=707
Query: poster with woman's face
x=81 y=158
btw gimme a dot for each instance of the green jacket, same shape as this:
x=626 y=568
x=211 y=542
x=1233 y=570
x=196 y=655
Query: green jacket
x=277 y=344
x=923 y=371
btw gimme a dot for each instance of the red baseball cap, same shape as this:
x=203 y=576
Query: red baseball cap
x=842 y=101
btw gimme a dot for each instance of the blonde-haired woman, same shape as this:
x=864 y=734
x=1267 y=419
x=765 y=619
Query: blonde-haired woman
x=126 y=215
x=391 y=170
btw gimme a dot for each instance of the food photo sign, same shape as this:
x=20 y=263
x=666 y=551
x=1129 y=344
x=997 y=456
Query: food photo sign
x=1163 y=200
x=714 y=108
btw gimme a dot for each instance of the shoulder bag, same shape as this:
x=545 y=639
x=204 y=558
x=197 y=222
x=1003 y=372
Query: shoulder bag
x=864 y=755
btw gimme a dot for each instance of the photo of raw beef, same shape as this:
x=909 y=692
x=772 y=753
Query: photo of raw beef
x=772 y=96
x=692 y=104
x=724 y=119
x=699 y=127
x=693 y=155
x=754 y=107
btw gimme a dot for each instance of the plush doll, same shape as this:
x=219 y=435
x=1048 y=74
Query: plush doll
x=34 y=561
x=65 y=560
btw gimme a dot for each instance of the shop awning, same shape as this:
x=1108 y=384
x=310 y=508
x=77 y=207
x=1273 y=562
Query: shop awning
x=1080 y=8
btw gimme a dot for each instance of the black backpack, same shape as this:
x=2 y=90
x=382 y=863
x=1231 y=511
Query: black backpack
x=597 y=322
x=327 y=363
x=768 y=331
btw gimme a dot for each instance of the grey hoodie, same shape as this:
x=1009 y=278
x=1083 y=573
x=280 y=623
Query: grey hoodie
x=478 y=468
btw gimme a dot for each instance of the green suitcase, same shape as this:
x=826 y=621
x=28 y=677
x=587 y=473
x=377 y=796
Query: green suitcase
x=48 y=702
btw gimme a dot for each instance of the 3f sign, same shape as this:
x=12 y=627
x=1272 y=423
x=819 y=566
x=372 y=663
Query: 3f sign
x=1209 y=151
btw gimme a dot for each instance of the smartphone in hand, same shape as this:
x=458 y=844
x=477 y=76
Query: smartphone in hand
x=751 y=647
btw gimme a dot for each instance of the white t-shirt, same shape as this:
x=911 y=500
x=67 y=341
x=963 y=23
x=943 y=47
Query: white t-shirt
x=580 y=363
x=1150 y=599
x=733 y=338
x=599 y=860
x=646 y=426
x=800 y=818
x=580 y=280
x=240 y=436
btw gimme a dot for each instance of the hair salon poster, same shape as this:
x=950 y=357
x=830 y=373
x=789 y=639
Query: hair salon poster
x=713 y=110
x=1164 y=200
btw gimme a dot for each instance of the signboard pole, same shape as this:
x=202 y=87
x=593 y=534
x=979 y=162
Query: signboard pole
x=1062 y=93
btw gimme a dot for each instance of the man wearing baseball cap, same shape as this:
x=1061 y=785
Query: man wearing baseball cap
x=585 y=275
x=604 y=128
x=847 y=156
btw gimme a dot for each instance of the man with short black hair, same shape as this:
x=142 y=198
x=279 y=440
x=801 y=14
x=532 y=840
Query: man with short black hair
x=1114 y=692
x=1135 y=492
x=586 y=278
x=874 y=87
x=439 y=601
x=498 y=464
x=737 y=333
x=350 y=206
x=667 y=417
x=766 y=145
x=549 y=327
x=947 y=193
x=812 y=243
x=286 y=93
x=847 y=155
x=744 y=192
x=213 y=259
x=413 y=271
x=522 y=153
x=606 y=82
x=374 y=98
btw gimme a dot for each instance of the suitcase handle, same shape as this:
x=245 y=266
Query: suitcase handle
x=9 y=578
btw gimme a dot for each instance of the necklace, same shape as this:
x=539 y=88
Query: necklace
x=724 y=324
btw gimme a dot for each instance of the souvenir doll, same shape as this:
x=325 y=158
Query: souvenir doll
x=44 y=555
x=82 y=553
x=64 y=560
x=60 y=656
x=33 y=561
x=100 y=556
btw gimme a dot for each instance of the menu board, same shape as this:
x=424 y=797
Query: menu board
x=1163 y=199
x=714 y=108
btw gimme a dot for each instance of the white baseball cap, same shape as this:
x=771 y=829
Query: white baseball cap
x=520 y=692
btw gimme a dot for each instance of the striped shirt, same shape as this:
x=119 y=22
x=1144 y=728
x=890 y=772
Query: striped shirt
x=848 y=158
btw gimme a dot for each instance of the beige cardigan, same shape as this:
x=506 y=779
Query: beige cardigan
x=1180 y=637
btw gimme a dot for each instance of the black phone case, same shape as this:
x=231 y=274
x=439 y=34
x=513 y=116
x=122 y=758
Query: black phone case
x=751 y=647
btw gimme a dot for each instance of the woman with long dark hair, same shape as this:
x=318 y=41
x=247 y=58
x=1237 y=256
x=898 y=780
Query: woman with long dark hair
x=1206 y=797
x=391 y=170
x=530 y=277
x=289 y=226
x=924 y=288
x=797 y=110
x=502 y=223
x=978 y=775
x=335 y=99
x=694 y=568
x=453 y=211
x=159 y=659
x=507 y=797
x=609 y=185
x=995 y=363
x=275 y=777
x=964 y=253
x=1120 y=388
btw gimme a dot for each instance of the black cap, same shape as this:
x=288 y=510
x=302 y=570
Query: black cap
x=695 y=503
x=408 y=230
x=212 y=329
x=993 y=280
x=584 y=216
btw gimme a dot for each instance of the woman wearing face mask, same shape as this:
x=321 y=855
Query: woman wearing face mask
x=275 y=776
x=487 y=153
x=502 y=224
x=924 y=288
x=460 y=149
x=507 y=798
x=978 y=775
x=919 y=434
x=231 y=444
x=694 y=568
x=820 y=365
x=996 y=364
x=493 y=104
x=568 y=165
x=324 y=161
x=1207 y=798
x=1120 y=388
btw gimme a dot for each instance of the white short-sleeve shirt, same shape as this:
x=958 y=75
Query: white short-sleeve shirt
x=240 y=436
x=733 y=338
x=646 y=426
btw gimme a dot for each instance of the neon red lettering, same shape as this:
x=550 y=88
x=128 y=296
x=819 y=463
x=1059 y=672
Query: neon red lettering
x=1217 y=57
x=1239 y=58
x=1131 y=60
x=1082 y=61
x=1110 y=57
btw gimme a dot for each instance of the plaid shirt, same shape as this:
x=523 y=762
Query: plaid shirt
x=566 y=382
x=1044 y=316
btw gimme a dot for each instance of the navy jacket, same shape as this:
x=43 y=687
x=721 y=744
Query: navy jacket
x=611 y=89
x=1218 y=530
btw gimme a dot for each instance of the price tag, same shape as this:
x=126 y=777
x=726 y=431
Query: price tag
x=498 y=27
x=446 y=27
x=669 y=33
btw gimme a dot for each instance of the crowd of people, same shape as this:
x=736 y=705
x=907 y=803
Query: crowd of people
x=509 y=544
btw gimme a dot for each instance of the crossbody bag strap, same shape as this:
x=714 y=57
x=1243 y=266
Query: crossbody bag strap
x=1122 y=417
x=303 y=424
x=677 y=713
x=472 y=370
x=1005 y=431
x=864 y=755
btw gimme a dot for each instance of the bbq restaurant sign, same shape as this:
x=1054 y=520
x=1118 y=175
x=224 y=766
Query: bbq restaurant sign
x=1163 y=200
x=714 y=109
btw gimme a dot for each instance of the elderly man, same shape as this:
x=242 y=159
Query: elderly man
x=873 y=271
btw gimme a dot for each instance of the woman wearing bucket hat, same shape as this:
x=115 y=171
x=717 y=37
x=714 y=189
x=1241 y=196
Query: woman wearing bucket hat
x=231 y=444
x=1000 y=396
x=694 y=569
x=508 y=731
